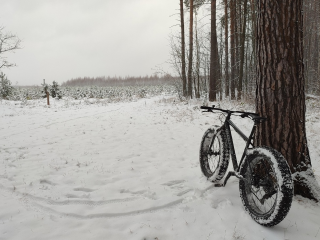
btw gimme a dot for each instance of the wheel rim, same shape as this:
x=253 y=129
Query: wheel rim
x=261 y=186
x=214 y=155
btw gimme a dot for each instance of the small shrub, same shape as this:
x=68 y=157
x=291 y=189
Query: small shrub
x=55 y=90
x=5 y=86
x=44 y=90
x=142 y=93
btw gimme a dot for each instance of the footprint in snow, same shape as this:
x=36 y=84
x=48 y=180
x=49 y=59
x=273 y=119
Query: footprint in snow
x=141 y=193
x=174 y=182
x=44 y=181
x=83 y=189
x=221 y=204
x=75 y=196
x=183 y=192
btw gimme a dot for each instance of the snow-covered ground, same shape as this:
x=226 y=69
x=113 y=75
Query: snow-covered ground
x=130 y=170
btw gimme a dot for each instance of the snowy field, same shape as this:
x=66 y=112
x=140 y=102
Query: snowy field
x=95 y=170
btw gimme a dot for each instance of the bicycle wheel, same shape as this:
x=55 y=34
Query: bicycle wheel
x=214 y=154
x=267 y=188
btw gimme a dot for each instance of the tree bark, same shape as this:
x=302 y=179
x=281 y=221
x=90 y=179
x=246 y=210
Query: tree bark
x=280 y=88
x=309 y=22
x=237 y=24
x=233 y=49
x=253 y=16
x=190 y=50
x=318 y=12
x=253 y=60
x=242 y=47
x=214 y=58
x=183 y=54
x=226 y=42
x=220 y=59
x=197 y=71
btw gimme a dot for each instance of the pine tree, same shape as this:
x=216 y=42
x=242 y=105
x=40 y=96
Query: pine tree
x=5 y=86
x=55 y=90
x=281 y=89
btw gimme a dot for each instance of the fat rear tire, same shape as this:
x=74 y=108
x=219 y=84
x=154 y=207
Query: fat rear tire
x=270 y=181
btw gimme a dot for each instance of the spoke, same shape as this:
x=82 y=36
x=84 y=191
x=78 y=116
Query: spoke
x=255 y=194
x=264 y=196
x=213 y=163
x=255 y=201
x=214 y=155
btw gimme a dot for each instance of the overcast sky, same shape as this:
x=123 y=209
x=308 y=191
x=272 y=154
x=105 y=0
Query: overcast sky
x=64 y=39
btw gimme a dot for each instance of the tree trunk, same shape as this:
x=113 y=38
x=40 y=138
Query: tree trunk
x=197 y=71
x=247 y=71
x=237 y=24
x=220 y=53
x=253 y=56
x=253 y=16
x=243 y=38
x=308 y=45
x=280 y=88
x=190 y=51
x=214 y=59
x=226 y=42
x=183 y=54
x=318 y=12
x=233 y=49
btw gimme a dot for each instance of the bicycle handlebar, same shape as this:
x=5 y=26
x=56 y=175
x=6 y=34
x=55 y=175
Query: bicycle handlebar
x=205 y=107
x=253 y=116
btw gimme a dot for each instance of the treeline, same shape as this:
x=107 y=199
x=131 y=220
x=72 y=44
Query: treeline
x=217 y=57
x=120 y=81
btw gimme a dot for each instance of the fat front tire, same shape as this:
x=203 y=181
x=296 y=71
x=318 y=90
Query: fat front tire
x=214 y=154
x=267 y=188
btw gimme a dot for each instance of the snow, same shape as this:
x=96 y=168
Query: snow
x=127 y=170
x=307 y=178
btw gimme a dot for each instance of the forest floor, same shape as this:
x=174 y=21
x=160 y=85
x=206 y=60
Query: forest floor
x=88 y=169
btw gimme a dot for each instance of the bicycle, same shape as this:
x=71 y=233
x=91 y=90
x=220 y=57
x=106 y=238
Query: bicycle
x=265 y=182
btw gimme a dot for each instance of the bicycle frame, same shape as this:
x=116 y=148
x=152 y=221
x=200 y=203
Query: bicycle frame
x=227 y=125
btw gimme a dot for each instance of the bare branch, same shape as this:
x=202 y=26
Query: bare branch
x=8 y=43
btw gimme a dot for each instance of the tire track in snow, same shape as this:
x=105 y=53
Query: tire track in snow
x=27 y=196
x=179 y=201
x=35 y=201
x=110 y=215
x=77 y=202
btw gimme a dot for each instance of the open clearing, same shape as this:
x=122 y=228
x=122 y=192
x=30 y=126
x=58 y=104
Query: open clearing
x=130 y=170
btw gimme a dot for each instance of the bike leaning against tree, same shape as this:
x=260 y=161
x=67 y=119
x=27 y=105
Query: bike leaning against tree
x=265 y=182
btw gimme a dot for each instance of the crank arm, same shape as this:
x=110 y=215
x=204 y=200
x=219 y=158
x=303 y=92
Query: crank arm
x=231 y=173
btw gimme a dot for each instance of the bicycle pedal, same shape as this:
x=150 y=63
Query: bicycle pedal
x=218 y=185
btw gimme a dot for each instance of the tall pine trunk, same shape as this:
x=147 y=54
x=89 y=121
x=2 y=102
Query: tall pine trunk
x=197 y=71
x=237 y=9
x=253 y=60
x=318 y=12
x=226 y=42
x=214 y=57
x=280 y=88
x=242 y=47
x=183 y=54
x=220 y=59
x=190 y=50
x=233 y=49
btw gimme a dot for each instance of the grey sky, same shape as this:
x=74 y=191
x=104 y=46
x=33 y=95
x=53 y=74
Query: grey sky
x=64 y=39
